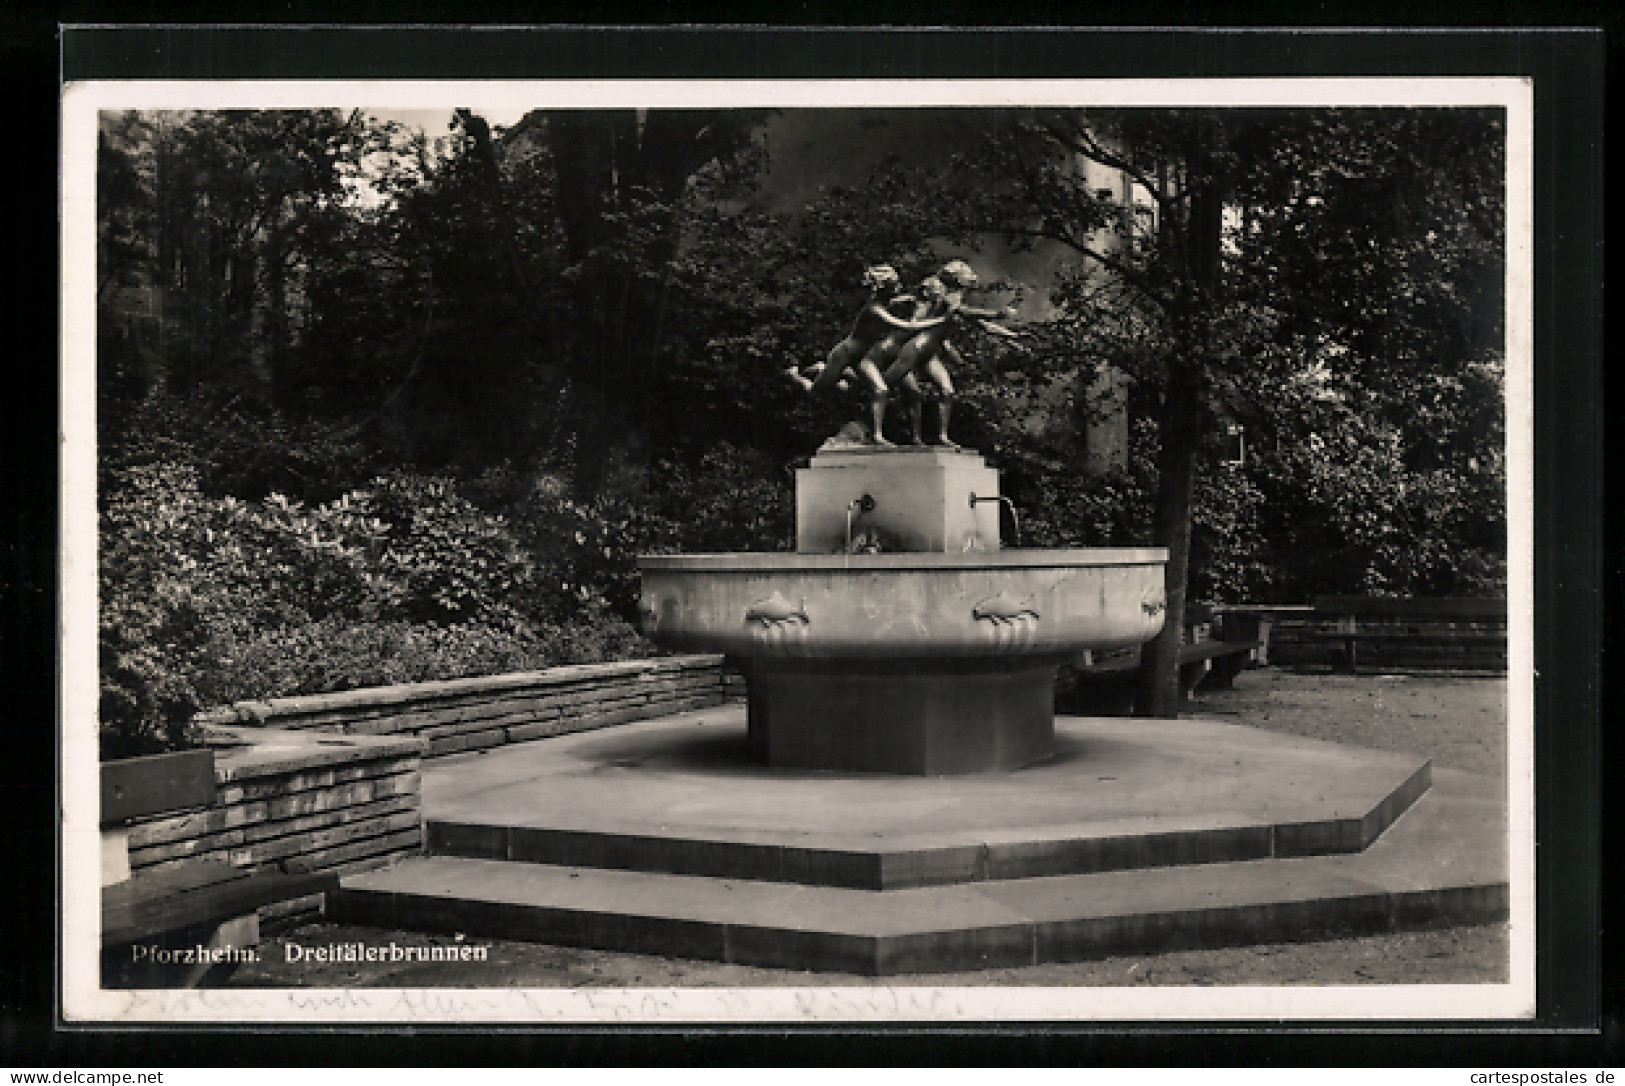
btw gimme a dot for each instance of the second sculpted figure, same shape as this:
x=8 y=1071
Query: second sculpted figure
x=924 y=354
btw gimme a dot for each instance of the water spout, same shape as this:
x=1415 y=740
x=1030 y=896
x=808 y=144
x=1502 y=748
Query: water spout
x=1015 y=518
x=865 y=504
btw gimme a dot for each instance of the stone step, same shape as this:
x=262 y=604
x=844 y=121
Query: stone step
x=868 y=865
x=678 y=796
x=1443 y=862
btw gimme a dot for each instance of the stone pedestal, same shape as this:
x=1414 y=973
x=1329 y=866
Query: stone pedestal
x=922 y=500
x=661 y=837
x=921 y=717
x=917 y=716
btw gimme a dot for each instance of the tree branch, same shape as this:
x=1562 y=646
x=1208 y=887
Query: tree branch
x=1127 y=274
x=1081 y=140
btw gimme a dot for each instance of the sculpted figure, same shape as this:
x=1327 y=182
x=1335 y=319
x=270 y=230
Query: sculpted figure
x=887 y=315
x=919 y=367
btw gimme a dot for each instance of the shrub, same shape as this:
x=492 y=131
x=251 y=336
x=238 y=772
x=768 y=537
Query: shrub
x=152 y=620
x=209 y=600
x=1065 y=506
x=1230 y=560
x=455 y=562
x=236 y=446
x=1344 y=514
x=145 y=703
x=335 y=654
x=585 y=551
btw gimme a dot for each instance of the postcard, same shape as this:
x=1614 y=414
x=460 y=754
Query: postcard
x=858 y=552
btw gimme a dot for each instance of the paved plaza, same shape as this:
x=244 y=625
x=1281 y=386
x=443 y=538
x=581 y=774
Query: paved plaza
x=1454 y=726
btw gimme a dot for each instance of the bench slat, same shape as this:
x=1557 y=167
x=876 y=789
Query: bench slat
x=1189 y=653
x=178 y=879
x=1435 y=637
x=144 y=911
x=1444 y=608
x=1211 y=650
x=156 y=784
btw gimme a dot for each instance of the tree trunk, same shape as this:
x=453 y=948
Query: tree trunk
x=1184 y=421
x=1181 y=434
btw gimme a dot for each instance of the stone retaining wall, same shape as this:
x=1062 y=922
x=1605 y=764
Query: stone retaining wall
x=295 y=801
x=472 y=714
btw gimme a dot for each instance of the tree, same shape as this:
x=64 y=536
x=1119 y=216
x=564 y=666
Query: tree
x=218 y=233
x=1364 y=240
x=238 y=203
x=620 y=182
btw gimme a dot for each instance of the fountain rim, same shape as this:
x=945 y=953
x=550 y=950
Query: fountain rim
x=1006 y=558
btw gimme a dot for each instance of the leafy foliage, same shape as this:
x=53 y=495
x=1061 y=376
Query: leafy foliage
x=205 y=600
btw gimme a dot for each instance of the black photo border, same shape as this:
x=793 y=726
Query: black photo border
x=1566 y=70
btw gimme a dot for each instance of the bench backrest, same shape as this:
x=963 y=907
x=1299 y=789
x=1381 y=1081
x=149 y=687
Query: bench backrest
x=1465 y=608
x=157 y=783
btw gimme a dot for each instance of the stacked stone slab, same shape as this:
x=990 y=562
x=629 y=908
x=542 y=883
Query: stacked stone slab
x=475 y=714
x=295 y=802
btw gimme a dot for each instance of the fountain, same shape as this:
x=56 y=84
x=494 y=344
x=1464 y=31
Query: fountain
x=934 y=654
x=900 y=667
x=918 y=792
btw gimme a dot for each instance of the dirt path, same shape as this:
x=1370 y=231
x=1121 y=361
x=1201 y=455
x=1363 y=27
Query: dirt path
x=1459 y=723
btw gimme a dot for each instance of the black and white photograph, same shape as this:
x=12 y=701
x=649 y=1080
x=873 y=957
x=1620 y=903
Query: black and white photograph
x=868 y=552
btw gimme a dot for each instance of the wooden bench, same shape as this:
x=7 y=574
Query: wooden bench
x=1423 y=633
x=1225 y=660
x=1106 y=685
x=174 y=927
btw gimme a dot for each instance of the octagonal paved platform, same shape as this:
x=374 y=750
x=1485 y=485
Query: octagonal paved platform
x=663 y=837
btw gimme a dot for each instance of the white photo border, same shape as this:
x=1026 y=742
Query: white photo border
x=84 y=1002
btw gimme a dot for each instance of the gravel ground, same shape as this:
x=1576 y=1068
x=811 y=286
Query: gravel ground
x=1458 y=722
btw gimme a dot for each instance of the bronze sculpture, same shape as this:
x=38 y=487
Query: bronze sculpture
x=876 y=324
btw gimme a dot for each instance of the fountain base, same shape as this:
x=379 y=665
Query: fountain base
x=1138 y=836
x=933 y=655
x=915 y=717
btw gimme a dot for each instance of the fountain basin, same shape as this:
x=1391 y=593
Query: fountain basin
x=904 y=606
x=917 y=663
